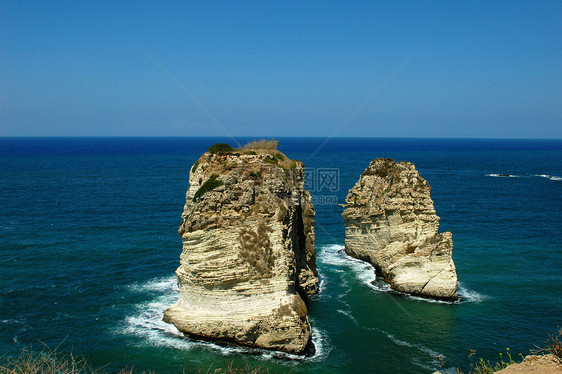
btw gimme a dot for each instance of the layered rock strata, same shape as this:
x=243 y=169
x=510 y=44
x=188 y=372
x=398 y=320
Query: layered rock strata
x=390 y=221
x=248 y=259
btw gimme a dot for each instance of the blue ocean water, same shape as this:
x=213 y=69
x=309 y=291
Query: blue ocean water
x=89 y=246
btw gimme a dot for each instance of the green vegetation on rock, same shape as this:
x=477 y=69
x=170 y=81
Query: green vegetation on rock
x=220 y=148
x=272 y=160
x=210 y=184
x=194 y=167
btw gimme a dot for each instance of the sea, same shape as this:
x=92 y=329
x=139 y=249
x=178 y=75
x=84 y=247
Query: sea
x=89 y=246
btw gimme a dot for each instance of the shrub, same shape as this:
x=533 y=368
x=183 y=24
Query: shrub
x=194 y=167
x=262 y=144
x=220 y=148
x=255 y=174
x=272 y=160
x=210 y=184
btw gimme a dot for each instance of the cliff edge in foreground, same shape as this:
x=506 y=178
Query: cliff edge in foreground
x=390 y=222
x=248 y=259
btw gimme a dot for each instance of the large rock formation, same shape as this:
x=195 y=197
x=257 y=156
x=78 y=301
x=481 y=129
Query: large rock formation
x=390 y=222
x=248 y=260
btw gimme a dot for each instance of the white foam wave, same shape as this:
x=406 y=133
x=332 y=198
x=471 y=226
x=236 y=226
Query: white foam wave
x=470 y=296
x=322 y=284
x=349 y=315
x=465 y=295
x=424 y=299
x=551 y=177
x=334 y=254
x=396 y=340
x=321 y=343
x=12 y=321
x=502 y=175
x=146 y=323
x=419 y=363
x=435 y=357
x=156 y=285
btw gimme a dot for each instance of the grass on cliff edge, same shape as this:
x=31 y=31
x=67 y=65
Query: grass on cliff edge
x=262 y=144
x=50 y=361
x=223 y=148
x=46 y=361
x=553 y=346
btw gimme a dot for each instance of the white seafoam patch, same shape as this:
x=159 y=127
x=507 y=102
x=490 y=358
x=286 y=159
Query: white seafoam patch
x=502 y=175
x=547 y=176
x=145 y=323
x=470 y=296
x=334 y=255
x=551 y=177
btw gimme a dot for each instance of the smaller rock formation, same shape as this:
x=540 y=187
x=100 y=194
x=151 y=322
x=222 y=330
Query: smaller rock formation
x=248 y=260
x=390 y=222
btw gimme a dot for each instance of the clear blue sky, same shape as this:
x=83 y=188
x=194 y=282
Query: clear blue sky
x=284 y=68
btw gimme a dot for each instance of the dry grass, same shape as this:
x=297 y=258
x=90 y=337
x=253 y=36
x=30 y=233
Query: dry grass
x=553 y=346
x=486 y=367
x=245 y=368
x=49 y=361
x=262 y=144
x=46 y=361
x=255 y=249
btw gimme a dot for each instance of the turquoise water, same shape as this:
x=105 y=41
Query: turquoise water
x=89 y=247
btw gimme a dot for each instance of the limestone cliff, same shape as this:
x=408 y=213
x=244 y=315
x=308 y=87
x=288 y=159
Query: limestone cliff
x=390 y=222
x=248 y=259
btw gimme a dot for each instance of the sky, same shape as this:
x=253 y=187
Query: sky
x=452 y=69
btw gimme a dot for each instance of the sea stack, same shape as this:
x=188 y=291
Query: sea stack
x=248 y=259
x=390 y=222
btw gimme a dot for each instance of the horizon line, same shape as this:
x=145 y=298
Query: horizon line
x=260 y=137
